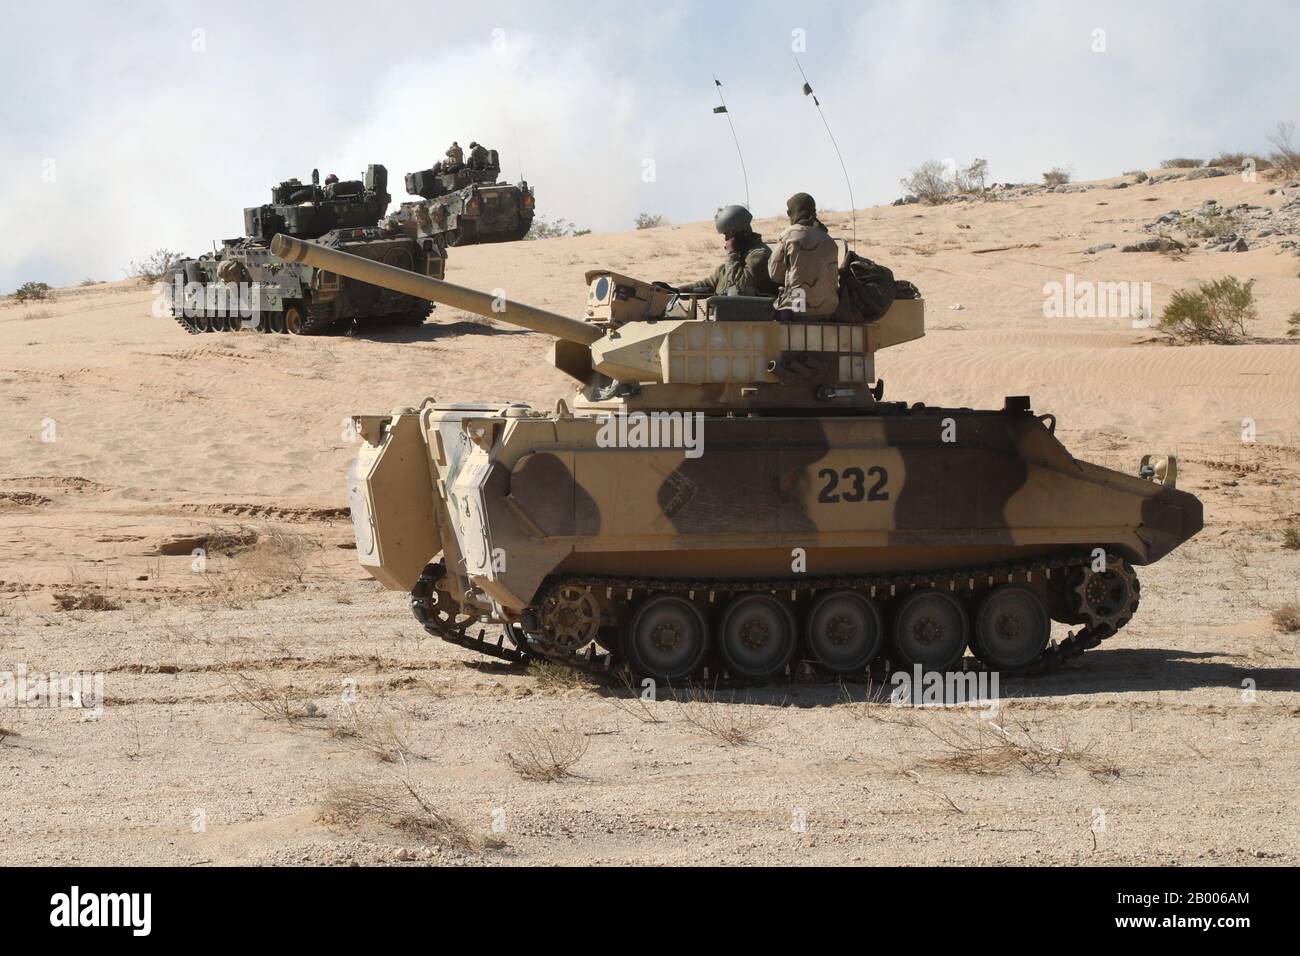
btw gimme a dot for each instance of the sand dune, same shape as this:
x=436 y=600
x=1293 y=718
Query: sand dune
x=162 y=439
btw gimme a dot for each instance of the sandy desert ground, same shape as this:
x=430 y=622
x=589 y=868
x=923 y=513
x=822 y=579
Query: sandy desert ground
x=226 y=737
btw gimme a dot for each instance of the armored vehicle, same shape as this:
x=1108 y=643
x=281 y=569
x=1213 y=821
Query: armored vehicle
x=731 y=492
x=245 y=285
x=466 y=205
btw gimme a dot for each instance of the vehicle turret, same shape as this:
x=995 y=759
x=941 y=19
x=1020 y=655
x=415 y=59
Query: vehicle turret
x=642 y=345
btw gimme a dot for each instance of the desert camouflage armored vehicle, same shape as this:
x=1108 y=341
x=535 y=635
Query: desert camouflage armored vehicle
x=731 y=492
x=468 y=205
x=244 y=285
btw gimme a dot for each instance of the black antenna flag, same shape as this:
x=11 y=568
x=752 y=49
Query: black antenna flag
x=808 y=91
x=723 y=109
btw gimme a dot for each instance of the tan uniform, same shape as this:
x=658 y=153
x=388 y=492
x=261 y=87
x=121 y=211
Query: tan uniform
x=455 y=156
x=806 y=258
x=478 y=157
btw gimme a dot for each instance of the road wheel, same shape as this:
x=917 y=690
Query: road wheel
x=1011 y=627
x=844 y=632
x=757 y=637
x=930 y=629
x=666 y=638
x=294 y=321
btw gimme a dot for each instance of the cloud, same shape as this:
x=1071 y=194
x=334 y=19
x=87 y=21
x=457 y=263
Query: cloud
x=158 y=135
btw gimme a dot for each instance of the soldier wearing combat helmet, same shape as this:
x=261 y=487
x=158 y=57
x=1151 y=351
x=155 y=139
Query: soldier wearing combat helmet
x=745 y=270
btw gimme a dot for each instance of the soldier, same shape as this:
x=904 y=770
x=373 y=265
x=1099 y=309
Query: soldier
x=331 y=179
x=478 y=156
x=455 y=157
x=744 y=271
x=423 y=220
x=805 y=264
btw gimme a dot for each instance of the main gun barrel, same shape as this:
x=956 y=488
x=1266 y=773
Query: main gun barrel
x=435 y=290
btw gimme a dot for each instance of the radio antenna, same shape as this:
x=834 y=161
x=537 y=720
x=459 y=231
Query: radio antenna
x=723 y=109
x=853 y=206
x=514 y=144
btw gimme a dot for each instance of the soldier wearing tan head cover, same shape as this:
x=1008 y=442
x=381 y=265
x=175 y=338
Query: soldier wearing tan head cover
x=805 y=263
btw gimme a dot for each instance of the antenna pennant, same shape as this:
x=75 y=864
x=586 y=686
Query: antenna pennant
x=808 y=91
x=721 y=108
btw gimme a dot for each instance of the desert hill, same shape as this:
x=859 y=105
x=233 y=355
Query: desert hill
x=124 y=442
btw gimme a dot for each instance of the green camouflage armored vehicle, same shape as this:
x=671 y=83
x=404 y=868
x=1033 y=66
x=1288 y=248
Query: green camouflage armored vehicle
x=466 y=204
x=731 y=492
x=245 y=285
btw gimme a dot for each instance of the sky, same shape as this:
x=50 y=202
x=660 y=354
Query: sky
x=128 y=125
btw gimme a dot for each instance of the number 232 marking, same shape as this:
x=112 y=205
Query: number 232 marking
x=857 y=481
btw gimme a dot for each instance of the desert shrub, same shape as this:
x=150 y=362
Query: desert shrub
x=154 y=266
x=85 y=601
x=32 y=290
x=1214 y=312
x=1180 y=162
x=543 y=228
x=1219 y=223
x=726 y=721
x=932 y=182
x=380 y=732
x=260 y=565
x=929 y=182
x=1293 y=324
x=1234 y=160
x=557 y=677
x=273 y=701
x=1291 y=537
x=972 y=178
x=1056 y=176
x=645 y=220
x=989 y=747
x=546 y=755
x=1285 y=156
x=1287 y=618
x=401 y=807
